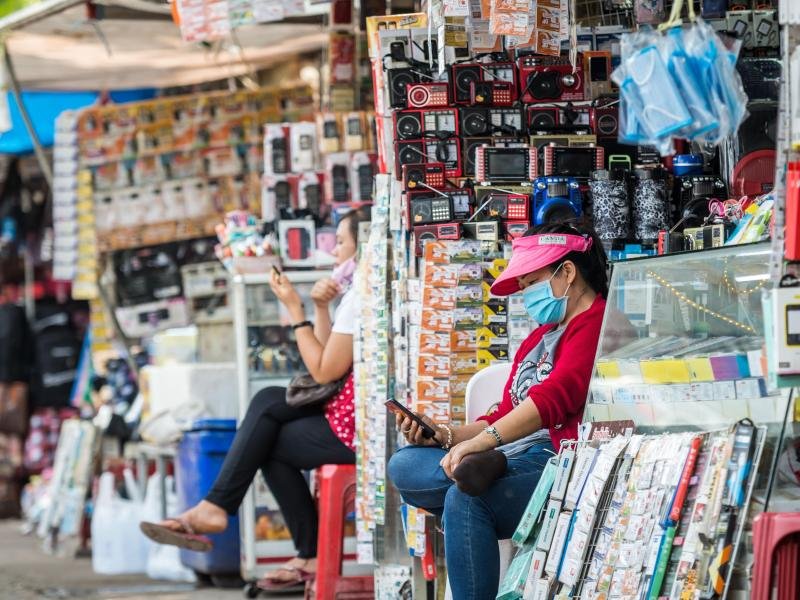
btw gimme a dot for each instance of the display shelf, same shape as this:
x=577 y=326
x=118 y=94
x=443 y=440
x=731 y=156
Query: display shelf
x=255 y=308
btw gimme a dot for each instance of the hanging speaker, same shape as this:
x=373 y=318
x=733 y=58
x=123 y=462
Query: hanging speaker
x=474 y=122
x=759 y=129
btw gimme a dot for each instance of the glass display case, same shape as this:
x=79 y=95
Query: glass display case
x=266 y=355
x=682 y=342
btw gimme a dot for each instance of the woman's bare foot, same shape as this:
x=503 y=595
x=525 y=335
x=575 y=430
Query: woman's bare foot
x=203 y=518
x=289 y=570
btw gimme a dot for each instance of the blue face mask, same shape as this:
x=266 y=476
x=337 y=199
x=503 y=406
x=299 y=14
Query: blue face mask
x=542 y=304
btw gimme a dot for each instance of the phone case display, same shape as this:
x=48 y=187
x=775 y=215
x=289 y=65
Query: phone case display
x=371 y=379
x=158 y=171
x=683 y=344
x=643 y=516
x=458 y=327
x=66 y=223
x=315 y=170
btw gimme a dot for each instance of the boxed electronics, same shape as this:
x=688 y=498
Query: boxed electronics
x=297 y=241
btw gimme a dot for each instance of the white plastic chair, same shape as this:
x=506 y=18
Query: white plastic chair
x=484 y=391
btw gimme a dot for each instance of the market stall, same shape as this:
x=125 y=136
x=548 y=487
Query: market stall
x=461 y=125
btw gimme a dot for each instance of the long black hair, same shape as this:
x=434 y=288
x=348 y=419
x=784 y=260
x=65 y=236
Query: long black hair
x=592 y=264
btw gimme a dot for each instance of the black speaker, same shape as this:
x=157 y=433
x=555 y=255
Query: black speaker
x=409 y=125
x=759 y=129
x=761 y=77
x=474 y=122
x=409 y=153
x=470 y=145
x=462 y=77
x=398 y=80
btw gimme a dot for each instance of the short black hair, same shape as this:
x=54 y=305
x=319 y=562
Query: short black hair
x=592 y=264
x=356 y=217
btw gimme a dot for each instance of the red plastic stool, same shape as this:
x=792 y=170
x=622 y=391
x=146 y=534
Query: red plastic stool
x=776 y=543
x=337 y=492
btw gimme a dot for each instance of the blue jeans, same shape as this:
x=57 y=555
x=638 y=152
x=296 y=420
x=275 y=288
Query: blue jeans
x=472 y=525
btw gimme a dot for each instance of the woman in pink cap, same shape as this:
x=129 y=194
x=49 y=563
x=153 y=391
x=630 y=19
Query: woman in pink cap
x=496 y=463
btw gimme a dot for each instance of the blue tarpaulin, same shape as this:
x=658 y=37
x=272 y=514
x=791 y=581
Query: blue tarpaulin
x=44 y=107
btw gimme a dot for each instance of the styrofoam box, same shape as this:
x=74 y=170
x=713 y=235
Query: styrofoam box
x=213 y=385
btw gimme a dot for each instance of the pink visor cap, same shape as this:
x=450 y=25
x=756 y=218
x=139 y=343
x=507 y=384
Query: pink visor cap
x=529 y=254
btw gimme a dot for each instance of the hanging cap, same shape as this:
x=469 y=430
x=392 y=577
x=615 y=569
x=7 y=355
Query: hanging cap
x=534 y=252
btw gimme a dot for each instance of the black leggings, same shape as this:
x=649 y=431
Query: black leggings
x=281 y=441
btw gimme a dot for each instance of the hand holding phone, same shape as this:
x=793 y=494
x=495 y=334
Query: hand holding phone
x=414 y=428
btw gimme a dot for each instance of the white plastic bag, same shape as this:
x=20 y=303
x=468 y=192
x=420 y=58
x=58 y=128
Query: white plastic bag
x=118 y=545
x=163 y=562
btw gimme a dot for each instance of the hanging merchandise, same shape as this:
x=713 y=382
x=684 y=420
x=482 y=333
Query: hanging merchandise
x=681 y=84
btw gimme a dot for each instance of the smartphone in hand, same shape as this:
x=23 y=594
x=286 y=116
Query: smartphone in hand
x=396 y=407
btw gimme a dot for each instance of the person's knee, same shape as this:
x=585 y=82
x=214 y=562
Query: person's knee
x=401 y=468
x=268 y=397
x=457 y=503
x=409 y=471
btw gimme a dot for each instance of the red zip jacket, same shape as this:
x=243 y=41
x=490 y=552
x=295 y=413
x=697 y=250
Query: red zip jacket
x=562 y=396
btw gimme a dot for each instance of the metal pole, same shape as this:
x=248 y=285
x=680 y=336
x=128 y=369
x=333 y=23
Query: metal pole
x=44 y=165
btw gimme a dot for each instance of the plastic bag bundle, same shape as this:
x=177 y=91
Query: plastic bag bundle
x=679 y=84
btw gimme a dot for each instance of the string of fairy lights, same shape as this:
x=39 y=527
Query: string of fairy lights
x=699 y=307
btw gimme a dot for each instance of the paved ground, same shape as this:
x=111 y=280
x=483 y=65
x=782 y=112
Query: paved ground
x=27 y=573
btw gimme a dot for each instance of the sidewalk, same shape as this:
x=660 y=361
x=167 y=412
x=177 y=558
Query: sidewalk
x=27 y=573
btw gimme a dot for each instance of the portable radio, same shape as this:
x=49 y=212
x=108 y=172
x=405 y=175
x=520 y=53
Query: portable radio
x=550 y=79
x=441 y=231
x=462 y=202
x=470 y=146
x=474 y=121
x=604 y=120
x=515 y=229
x=427 y=209
x=414 y=124
x=505 y=206
x=355 y=132
x=543 y=119
x=573 y=162
x=447 y=151
x=276 y=150
x=463 y=75
x=430 y=174
x=491 y=93
x=494 y=164
x=329 y=137
x=303 y=147
x=363 y=166
x=399 y=80
x=483 y=231
x=428 y=95
x=506 y=121
x=576 y=118
x=597 y=74
x=556 y=199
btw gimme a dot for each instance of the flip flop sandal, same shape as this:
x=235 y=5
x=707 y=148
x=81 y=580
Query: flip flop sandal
x=185 y=537
x=271 y=584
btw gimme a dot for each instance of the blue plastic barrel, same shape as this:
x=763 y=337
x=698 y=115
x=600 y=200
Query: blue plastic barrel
x=199 y=460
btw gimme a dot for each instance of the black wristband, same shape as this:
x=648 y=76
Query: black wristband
x=301 y=324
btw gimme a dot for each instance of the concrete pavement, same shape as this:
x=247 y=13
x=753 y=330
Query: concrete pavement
x=27 y=573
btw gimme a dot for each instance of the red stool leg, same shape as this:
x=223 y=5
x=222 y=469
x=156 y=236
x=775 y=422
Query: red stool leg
x=333 y=479
x=337 y=489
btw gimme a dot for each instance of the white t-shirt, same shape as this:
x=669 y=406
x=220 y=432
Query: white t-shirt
x=344 y=319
